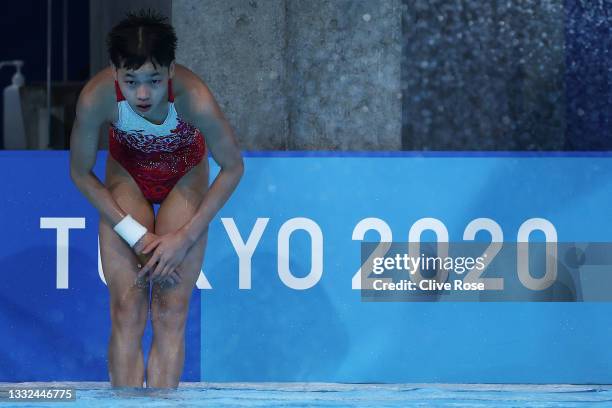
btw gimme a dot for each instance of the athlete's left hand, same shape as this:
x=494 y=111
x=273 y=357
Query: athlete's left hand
x=170 y=250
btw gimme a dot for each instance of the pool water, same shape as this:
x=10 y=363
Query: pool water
x=202 y=394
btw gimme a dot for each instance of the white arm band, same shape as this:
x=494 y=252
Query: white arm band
x=130 y=230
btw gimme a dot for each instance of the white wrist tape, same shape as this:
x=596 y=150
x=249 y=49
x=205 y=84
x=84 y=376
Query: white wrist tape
x=130 y=230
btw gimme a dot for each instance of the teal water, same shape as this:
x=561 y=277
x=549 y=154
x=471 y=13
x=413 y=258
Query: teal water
x=99 y=394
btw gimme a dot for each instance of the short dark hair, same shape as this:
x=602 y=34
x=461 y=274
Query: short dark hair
x=140 y=37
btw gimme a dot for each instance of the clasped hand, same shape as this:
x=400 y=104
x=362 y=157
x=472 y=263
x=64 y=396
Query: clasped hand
x=162 y=256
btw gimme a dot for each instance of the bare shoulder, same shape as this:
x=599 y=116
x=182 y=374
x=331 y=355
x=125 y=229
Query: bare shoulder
x=192 y=95
x=97 y=100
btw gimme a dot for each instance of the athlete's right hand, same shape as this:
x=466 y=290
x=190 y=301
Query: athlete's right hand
x=172 y=279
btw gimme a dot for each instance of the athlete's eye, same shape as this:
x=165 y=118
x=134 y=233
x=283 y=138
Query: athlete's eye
x=129 y=82
x=155 y=81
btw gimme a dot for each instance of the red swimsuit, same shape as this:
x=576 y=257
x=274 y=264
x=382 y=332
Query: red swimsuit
x=156 y=156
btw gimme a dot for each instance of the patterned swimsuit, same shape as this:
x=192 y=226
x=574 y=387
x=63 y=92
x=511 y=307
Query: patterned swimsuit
x=156 y=156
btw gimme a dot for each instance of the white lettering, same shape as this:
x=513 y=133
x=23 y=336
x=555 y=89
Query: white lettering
x=316 y=253
x=63 y=226
x=244 y=251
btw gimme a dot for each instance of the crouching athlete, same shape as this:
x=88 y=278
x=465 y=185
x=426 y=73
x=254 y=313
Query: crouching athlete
x=163 y=120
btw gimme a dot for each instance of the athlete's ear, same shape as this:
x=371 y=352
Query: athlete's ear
x=171 y=70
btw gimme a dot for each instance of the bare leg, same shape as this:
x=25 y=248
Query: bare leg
x=129 y=304
x=169 y=308
x=170 y=305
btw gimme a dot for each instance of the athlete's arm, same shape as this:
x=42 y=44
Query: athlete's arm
x=206 y=115
x=83 y=152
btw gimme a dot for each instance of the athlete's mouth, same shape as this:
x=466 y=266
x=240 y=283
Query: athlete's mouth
x=143 y=107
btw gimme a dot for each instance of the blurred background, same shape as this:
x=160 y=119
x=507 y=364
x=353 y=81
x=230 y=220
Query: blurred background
x=358 y=75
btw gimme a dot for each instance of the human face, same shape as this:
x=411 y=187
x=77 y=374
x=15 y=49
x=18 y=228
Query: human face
x=145 y=88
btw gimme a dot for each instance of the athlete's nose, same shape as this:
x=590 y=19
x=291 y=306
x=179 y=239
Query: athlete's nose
x=142 y=93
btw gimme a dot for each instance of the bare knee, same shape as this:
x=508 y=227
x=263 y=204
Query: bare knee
x=129 y=317
x=168 y=319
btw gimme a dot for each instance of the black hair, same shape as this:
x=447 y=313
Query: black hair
x=140 y=37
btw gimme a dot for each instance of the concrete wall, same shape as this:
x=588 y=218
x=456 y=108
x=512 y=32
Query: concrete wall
x=343 y=61
x=484 y=75
x=237 y=47
x=299 y=75
x=511 y=75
